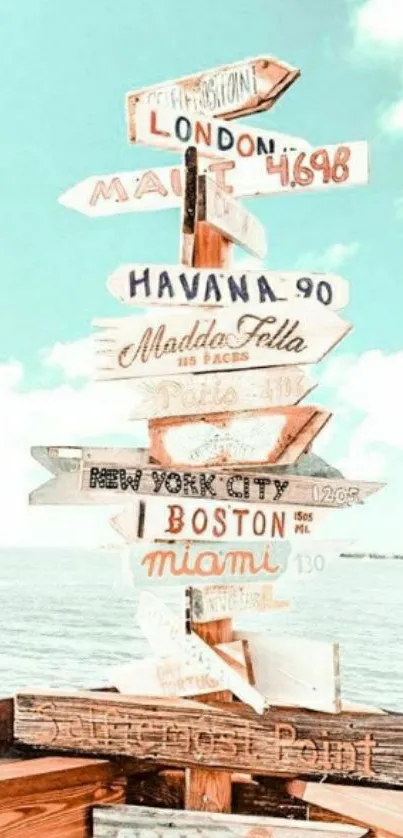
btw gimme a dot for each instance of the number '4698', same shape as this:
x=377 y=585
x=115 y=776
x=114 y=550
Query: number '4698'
x=305 y=169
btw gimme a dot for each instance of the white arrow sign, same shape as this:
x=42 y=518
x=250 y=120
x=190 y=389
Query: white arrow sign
x=173 y=285
x=230 y=218
x=155 y=518
x=166 y=635
x=326 y=167
x=167 y=342
x=218 y=602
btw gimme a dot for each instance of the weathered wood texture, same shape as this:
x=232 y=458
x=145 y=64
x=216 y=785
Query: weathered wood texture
x=226 y=215
x=275 y=436
x=235 y=89
x=378 y=808
x=148 y=284
x=6 y=723
x=44 y=798
x=217 y=602
x=190 y=395
x=164 y=342
x=230 y=736
x=112 y=821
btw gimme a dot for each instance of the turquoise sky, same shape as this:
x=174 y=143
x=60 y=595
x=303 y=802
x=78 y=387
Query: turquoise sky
x=65 y=68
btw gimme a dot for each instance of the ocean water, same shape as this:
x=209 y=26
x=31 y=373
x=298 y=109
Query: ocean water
x=68 y=617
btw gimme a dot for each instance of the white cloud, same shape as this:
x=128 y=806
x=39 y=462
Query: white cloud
x=75 y=359
x=391 y=120
x=330 y=259
x=379 y=23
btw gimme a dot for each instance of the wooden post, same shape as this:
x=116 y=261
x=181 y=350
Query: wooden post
x=203 y=247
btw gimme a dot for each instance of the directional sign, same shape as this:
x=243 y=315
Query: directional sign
x=146 y=822
x=232 y=90
x=165 y=633
x=189 y=395
x=154 y=518
x=162 y=187
x=171 y=130
x=273 y=436
x=294 y=671
x=146 y=285
x=166 y=342
x=218 y=602
x=230 y=218
x=173 y=677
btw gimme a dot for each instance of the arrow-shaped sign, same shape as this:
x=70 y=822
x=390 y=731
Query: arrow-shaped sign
x=166 y=342
x=237 y=89
x=172 y=285
x=230 y=218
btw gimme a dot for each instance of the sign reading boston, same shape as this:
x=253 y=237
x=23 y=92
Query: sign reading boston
x=166 y=342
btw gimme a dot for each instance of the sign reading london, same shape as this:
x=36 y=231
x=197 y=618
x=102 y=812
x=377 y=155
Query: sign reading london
x=232 y=90
x=166 y=342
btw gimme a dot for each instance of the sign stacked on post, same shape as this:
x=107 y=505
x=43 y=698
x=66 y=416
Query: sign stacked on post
x=216 y=364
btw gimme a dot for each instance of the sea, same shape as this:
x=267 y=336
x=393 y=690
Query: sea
x=67 y=617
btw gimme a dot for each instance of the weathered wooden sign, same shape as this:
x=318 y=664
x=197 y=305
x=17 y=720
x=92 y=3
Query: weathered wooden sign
x=166 y=342
x=146 y=822
x=236 y=89
x=88 y=479
x=183 y=732
x=154 y=518
x=173 y=564
x=171 y=130
x=295 y=671
x=379 y=808
x=165 y=633
x=272 y=436
x=162 y=187
x=230 y=218
x=189 y=394
x=173 y=677
x=218 y=602
x=145 y=285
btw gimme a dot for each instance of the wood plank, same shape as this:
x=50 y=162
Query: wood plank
x=172 y=677
x=6 y=723
x=295 y=671
x=166 y=634
x=153 y=518
x=190 y=394
x=182 y=732
x=162 y=187
x=378 y=808
x=141 y=821
x=226 y=215
x=217 y=602
x=161 y=127
x=256 y=437
x=235 y=89
x=147 y=284
x=215 y=340
x=189 y=208
x=53 y=773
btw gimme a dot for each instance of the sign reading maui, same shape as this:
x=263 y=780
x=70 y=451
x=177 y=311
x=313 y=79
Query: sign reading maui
x=166 y=342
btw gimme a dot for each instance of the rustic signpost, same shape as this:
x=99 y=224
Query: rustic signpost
x=147 y=284
x=228 y=498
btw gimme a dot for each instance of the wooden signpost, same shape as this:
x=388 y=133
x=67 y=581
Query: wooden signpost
x=272 y=436
x=232 y=90
x=155 y=518
x=230 y=218
x=167 y=343
x=218 y=602
x=145 y=285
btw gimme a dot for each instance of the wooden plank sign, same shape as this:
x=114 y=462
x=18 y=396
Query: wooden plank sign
x=173 y=677
x=146 y=284
x=378 y=808
x=149 y=822
x=154 y=518
x=236 y=89
x=218 y=602
x=166 y=634
x=295 y=671
x=171 y=130
x=272 y=436
x=182 y=732
x=166 y=342
x=189 y=395
x=230 y=218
